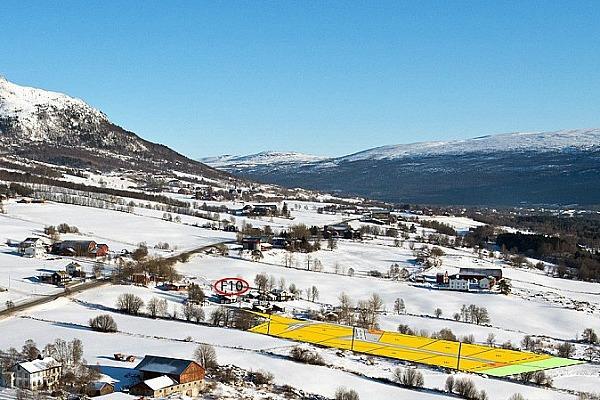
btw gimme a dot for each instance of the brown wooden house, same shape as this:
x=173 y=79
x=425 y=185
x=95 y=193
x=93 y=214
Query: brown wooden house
x=163 y=376
x=99 y=389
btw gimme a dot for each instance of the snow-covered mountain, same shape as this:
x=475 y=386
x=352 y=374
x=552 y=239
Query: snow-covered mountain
x=506 y=169
x=56 y=128
x=261 y=159
x=564 y=140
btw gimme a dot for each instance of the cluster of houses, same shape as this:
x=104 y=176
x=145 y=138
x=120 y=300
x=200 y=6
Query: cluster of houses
x=72 y=271
x=340 y=231
x=258 y=210
x=261 y=301
x=264 y=243
x=469 y=279
x=157 y=377
x=36 y=247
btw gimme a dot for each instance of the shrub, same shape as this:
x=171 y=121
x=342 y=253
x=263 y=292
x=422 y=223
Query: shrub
x=465 y=388
x=103 y=323
x=516 y=396
x=346 y=394
x=444 y=334
x=405 y=329
x=306 y=356
x=450 y=384
x=262 y=377
x=410 y=377
x=565 y=350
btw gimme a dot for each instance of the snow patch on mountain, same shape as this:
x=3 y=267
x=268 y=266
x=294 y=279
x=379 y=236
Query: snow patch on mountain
x=564 y=140
x=260 y=159
x=33 y=110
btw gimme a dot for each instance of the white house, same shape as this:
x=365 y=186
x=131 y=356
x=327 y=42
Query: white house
x=34 y=252
x=36 y=374
x=73 y=268
x=458 y=284
x=31 y=247
x=485 y=283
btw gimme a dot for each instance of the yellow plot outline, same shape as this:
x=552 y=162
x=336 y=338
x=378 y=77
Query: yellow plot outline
x=441 y=353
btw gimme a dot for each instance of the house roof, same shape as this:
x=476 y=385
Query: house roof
x=32 y=240
x=99 y=385
x=159 y=382
x=39 y=365
x=496 y=272
x=163 y=365
x=75 y=243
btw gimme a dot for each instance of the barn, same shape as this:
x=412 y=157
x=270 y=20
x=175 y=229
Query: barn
x=164 y=376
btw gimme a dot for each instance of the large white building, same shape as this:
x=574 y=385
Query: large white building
x=32 y=247
x=458 y=284
x=35 y=375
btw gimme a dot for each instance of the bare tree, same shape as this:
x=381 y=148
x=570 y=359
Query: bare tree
x=410 y=377
x=345 y=314
x=206 y=356
x=217 y=317
x=261 y=281
x=129 y=303
x=399 y=307
x=193 y=313
x=30 y=350
x=157 y=307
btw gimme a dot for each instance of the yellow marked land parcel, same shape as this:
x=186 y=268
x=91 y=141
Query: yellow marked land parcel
x=442 y=353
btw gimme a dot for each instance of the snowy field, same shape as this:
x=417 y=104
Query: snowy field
x=139 y=336
x=539 y=305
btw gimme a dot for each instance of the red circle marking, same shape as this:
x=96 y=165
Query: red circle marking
x=227 y=293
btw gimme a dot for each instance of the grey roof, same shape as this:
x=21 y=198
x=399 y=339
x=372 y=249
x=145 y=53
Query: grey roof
x=163 y=365
x=75 y=243
x=496 y=272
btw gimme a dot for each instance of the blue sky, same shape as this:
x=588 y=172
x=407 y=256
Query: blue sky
x=323 y=77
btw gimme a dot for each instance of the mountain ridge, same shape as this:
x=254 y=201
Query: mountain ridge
x=558 y=167
x=562 y=140
x=59 y=129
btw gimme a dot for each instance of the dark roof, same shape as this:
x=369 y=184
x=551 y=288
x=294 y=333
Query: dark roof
x=495 y=272
x=75 y=244
x=163 y=365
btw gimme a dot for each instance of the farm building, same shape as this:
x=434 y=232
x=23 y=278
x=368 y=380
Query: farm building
x=480 y=273
x=34 y=375
x=32 y=247
x=163 y=376
x=282 y=295
x=340 y=231
x=251 y=243
x=35 y=252
x=60 y=278
x=85 y=248
x=99 y=389
x=177 y=287
x=457 y=283
x=74 y=269
x=279 y=242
